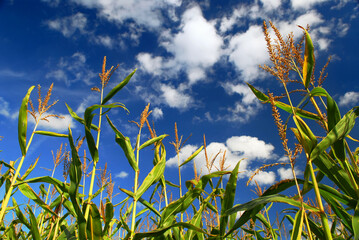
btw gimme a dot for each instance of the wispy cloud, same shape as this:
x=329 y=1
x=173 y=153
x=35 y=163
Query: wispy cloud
x=6 y=111
x=11 y=73
x=69 y=25
x=72 y=69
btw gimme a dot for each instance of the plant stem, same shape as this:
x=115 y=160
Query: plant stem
x=323 y=216
x=95 y=163
x=13 y=181
x=137 y=173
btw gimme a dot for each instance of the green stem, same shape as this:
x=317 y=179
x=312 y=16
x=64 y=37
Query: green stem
x=323 y=216
x=94 y=163
x=13 y=181
x=137 y=173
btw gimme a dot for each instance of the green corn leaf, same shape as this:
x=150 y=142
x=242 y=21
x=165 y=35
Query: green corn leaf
x=94 y=226
x=304 y=135
x=152 y=141
x=298 y=225
x=60 y=186
x=333 y=115
x=75 y=178
x=339 y=211
x=160 y=231
x=126 y=146
x=153 y=176
x=118 y=87
x=22 y=122
x=19 y=214
x=308 y=64
x=266 y=199
x=171 y=184
x=68 y=233
x=339 y=132
x=30 y=193
x=33 y=223
x=335 y=173
x=300 y=112
x=30 y=169
x=355 y=222
x=52 y=134
x=317 y=230
x=77 y=118
x=192 y=156
x=228 y=198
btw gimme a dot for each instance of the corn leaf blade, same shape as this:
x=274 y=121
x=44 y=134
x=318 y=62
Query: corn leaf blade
x=22 y=121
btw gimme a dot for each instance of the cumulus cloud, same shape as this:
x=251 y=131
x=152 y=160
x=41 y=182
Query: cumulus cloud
x=175 y=98
x=264 y=178
x=157 y=113
x=349 y=99
x=197 y=45
x=69 y=25
x=72 y=69
x=122 y=174
x=286 y=173
x=150 y=64
x=247 y=50
x=245 y=149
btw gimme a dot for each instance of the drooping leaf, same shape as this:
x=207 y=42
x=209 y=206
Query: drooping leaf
x=33 y=225
x=300 y=112
x=22 y=122
x=30 y=193
x=94 y=226
x=80 y=120
x=298 y=225
x=341 y=129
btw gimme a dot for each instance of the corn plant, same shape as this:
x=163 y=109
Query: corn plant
x=206 y=207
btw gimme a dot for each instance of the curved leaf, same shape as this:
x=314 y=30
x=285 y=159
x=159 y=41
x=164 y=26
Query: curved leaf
x=22 y=121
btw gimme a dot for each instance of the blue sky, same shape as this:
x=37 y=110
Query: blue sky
x=193 y=60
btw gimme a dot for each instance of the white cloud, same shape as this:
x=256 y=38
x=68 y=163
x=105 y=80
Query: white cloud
x=72 y=69
x=264 y=178
x=304 y=5
x=69 y=25
x=248 y=50
x=242 y=89
x=250 y=147
x=237 y=148
x=349 y=99
x=55 y=124
x=270 y=5
x=122 y=174
x=157 y=113
x=104 y=40
x=286 y=173
x=175 y=98
x=5 y=110
x=148 y=13
x=152 y=65
x=196 y=47
x=186 y=152
x=89 y=100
